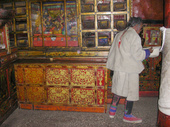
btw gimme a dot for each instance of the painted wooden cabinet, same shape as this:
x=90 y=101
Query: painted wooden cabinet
x=76 y=29
x=8 y=95
x=62 y=86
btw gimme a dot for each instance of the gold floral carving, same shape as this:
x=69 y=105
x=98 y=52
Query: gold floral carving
x=21 y=93
x=100 y=96
x=57 y=77
x=83 y=96
x=58 y=95
x=100 y=77
x=83 y=77
x=35 y=94
x=34 y=75
x=19 y=73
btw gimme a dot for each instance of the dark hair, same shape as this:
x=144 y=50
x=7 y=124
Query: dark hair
x=134 y=21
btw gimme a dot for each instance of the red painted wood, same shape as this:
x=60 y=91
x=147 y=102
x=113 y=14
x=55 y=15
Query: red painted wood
x=122 y=101
x=167 y=14
x=26 y=106
x=163 y=120
x=8 y=82
x=148 y=93
x=70 y=108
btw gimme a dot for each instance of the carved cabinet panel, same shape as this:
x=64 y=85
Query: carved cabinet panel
x=79 y=86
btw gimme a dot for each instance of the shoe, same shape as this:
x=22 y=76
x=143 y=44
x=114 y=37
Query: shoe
x=112 y=111
x=131 y=119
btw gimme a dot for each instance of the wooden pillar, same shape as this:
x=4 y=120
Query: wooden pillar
x=167 y=14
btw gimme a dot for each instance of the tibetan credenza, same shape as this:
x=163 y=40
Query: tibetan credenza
x=61 y=85
x=8 y=95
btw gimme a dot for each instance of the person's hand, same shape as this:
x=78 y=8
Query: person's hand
x=151 y=49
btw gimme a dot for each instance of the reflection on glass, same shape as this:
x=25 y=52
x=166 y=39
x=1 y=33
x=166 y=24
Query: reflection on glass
x=88 y=22
x=103 y=5
x=88 y=39
x=87 y=6
x=87 y=1
x=21 y=24
x=22 y=40
x=103 y=21
x=11 y=27
x=71 y=18
x=20 y=4
x=104 y=38
x=120 y=22
x=36 y=19
x=21 y=36
x=119 y=5
x=22 y=43
x=12 y=42
x=7 y=5
x=20 y=8
x=20 y=11
x=53 y=18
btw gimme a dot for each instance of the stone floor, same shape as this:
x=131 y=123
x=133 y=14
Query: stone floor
x=146 y=108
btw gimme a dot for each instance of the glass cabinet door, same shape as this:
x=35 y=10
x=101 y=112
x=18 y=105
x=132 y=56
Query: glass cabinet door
x=36 y=31
x=58 y=25
x=102 y=20
x=18 y=29
x=103 y=5
x=20 y=8
x=120 y=21
x=87 y=6
x=88 y=39
x=9 y=6
x=71 y=14
x=120 y=5
x=104 y=38
x=54 y=24
x=88 y=22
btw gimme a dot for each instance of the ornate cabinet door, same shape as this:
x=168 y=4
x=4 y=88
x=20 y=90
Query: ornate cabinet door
x=8 y=97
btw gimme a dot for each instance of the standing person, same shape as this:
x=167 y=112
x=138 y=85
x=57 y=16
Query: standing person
x=125 y=59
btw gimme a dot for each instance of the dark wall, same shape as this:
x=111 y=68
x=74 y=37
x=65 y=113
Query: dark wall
x=150 y=10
